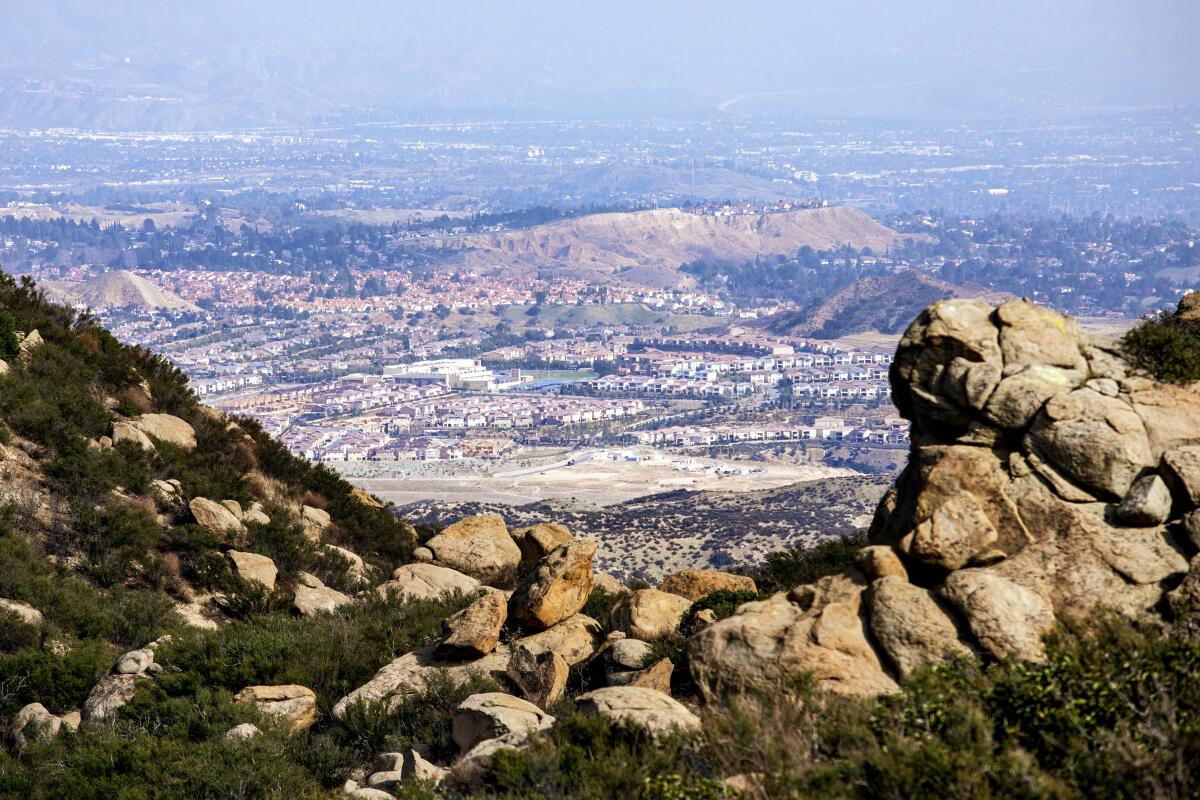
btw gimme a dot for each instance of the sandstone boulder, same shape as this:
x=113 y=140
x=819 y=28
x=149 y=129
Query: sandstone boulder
x=480 y=547
x=575 y=639
x=358 y=570
x=107 y=697
x=1035 y=335
x=557 y=588
x=820 y=629
x=243 y=732
x=167 y=428
x=1007 y=619
x=658 y=713
x=475 y=631
x=295 y=705
x=314 y=597
x=1020 y=396
x=408 y=675
x=216 y=518
x=494 y=714
x=627 y=654
x=880 y=561
x=34 y=723
x=1182 y=468
x=911 y=626
x=1096 y=441
x=696 y=584
x=314 y=521
x=471 y=770
x=541 y=678
x=25 y=612
x=649 y=613
x=135 y=662
x=255 y=515
x=253 y=568
x=956 y=531
x=427 y=582
x=128 y=432
x=538 y=541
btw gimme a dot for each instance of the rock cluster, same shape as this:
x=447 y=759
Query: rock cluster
x=1046 y=478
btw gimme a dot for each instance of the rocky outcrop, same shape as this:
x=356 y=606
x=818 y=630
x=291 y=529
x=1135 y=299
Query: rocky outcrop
x=658 y=713
x=493 y=714
x=1046 y=479
x=107 y=697
x=475 y=631
x=167 y=428
x=314 y=521
x=427 y=582
x=480 y=547
x=253 y=568
x=696 y=584
x=216 y=518
x=314 y=597
x=538 y=541
x=23 y=611
x=649 y=614
x=294 y=705
x=558 y=588
x=576 y=639
x=408 y=675
x=540 y=677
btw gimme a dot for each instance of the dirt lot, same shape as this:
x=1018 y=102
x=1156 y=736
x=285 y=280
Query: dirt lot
x=596 y=482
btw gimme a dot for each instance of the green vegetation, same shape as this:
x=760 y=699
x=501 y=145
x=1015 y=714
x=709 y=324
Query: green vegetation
x=1167 y=346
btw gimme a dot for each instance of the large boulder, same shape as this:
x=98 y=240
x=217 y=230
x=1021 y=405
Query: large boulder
x=557 y=589
x=911 y=626
x=649 y=613
x=1007 y=619
x=540 y=677
x=575 y=639
x=23 y=611
x=128 y=432
x=821 y=629
x=167 y=428
x=475 y=631
x=427 y=582
x=314 y=521
x=1148 y=502
x=658 y=713
x=538 y=541
x=34 y=723
x=295 y=705
x=409 y=675
x=253 y=568
x=493 y=714
x=480 y=547
x=1097 y=441
x=107 y=697
x=1181 y=466
x=314 y=597
x=216 y=518
x=696 y=584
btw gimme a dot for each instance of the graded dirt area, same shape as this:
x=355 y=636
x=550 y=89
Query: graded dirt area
x=583 y=477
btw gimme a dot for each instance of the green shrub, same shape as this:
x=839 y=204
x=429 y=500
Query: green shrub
x=60 y=682
x=9 y=347
x=1166 y=346
x=787 y=569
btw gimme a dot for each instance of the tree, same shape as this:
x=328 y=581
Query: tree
x=9 y=347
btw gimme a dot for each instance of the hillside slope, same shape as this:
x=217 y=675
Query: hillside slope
x=119 y=289
x=648 y=247
x=885 y=305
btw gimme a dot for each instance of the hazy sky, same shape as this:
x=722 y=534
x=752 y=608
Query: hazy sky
x=604 y=58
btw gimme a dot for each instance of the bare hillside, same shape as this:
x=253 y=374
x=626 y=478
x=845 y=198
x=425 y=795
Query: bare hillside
x=885 y=304
x=119 y=289
x=648 y=247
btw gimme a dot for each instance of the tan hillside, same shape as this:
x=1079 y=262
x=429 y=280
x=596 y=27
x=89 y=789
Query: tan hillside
x=119 y=289
x=884 y=304
x=648 y=247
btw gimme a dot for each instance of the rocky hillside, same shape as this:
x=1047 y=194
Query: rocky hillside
x=651 y=537
x=648 y=247
x=189 y=611
x=884 y=305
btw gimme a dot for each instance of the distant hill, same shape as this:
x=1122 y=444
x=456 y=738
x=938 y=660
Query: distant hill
x=119 y=289
x=886 y=305
x=646 y=248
